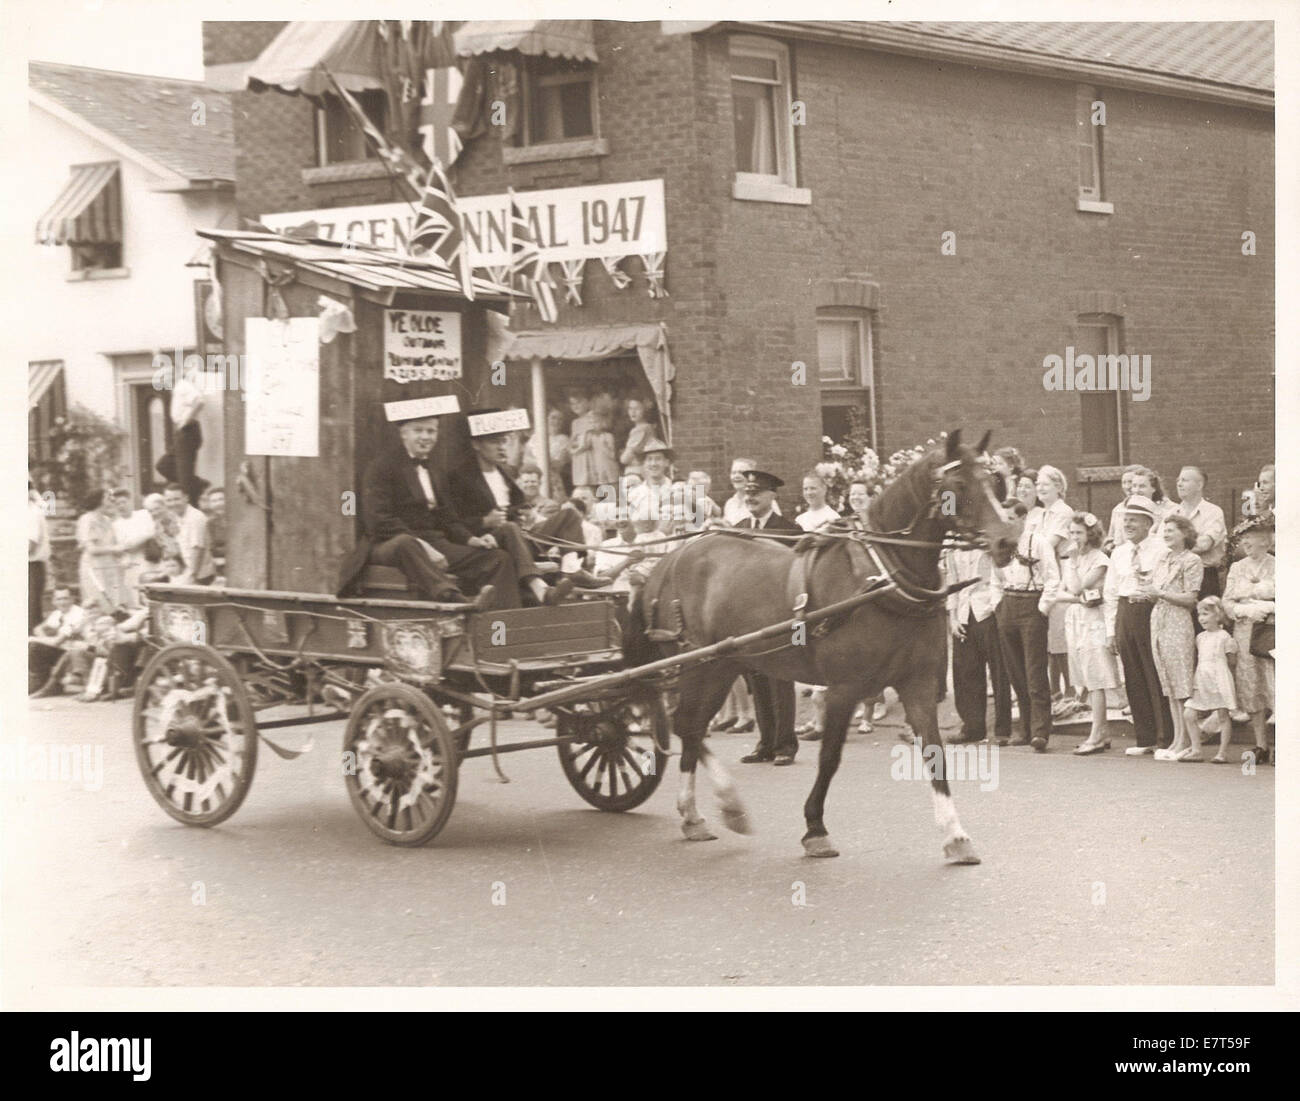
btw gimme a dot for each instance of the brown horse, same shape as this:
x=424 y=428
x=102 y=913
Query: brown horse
x=724 y=585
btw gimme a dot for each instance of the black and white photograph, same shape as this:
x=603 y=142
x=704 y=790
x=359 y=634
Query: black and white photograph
x=723 y=506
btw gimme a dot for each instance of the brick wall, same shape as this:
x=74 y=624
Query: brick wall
x=896 y=151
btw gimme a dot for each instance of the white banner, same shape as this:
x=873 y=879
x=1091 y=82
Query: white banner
x=282 y=386
x=570 y=223
x=421 y=344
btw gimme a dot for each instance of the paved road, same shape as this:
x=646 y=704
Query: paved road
x=1099 y=871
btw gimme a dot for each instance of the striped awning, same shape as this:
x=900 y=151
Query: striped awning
x=571 y=38
x=298 y=57
x=40 y=377
x=88 y=210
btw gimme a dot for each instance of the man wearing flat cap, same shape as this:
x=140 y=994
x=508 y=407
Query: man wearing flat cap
x=773 y=699
x=409 y=521
x=1128 y=604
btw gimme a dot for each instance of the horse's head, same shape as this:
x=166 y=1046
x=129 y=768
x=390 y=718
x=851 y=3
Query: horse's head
x=968 y=504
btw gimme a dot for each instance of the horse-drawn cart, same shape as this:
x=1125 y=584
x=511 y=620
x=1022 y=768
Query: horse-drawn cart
x=414 y=681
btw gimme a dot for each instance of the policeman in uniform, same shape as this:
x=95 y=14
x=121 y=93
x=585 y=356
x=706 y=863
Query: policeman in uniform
x=773 y=699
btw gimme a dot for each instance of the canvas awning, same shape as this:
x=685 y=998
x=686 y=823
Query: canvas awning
x=88 y=210
x=571 y=38
x=649 y=341
x=40 y=377
x=298 y=56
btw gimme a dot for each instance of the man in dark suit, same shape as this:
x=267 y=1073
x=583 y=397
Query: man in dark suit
x=773 y=699
x=490 y=505
x=410 y=523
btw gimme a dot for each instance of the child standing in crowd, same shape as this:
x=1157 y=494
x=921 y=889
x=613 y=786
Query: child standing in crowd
x=604 y=454
x=1174 y=585
x=1249 y=599
x=642 y=431
x=580 y=433
x=1093 y=667
x=1213 y=691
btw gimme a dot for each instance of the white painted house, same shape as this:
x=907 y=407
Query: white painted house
x=125 y=169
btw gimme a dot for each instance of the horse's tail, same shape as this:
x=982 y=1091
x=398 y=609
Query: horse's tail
x=637 y=649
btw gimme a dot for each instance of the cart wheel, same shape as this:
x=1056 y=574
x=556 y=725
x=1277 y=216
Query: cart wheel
x=400 y=764
x=195 y=734
x=615 y=762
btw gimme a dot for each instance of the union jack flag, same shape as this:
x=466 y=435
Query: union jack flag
x=526 y=253
x=438 y=228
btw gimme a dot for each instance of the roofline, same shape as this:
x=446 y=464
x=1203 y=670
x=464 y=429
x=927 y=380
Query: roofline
x=114 y=72
x=171 y=178
x=883 y=37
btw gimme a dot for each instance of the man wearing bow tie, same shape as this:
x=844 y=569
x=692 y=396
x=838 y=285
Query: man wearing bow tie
x=409 y=523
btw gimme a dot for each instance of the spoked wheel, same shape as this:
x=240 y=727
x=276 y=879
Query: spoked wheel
x=615 y=762
x=400 y=764
x=195 y=735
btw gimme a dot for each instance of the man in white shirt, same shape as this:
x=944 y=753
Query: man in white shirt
x=38 y=554
x=976 y=648
x=187 y=400
x=1021 y=592
x=132 y=530
x=1211 y=530
x=654 y=496
x=1127 y=607
x=196 y=555
x=49 y=641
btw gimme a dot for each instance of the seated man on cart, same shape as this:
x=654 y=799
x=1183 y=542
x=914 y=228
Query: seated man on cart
x=489 y=502
x=410 y=523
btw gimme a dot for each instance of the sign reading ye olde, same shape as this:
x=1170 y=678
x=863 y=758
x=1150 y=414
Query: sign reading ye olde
x=421 y=344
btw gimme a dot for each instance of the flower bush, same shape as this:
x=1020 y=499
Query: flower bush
x=86 y=454
x=855 y=461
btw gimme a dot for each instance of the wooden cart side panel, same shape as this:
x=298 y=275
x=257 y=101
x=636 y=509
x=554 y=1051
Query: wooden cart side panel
x=312 y=523
x=247 y=523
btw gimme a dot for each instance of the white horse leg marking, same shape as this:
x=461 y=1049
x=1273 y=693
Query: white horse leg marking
x=693 y=826
x=733 y=809
x=957 y=845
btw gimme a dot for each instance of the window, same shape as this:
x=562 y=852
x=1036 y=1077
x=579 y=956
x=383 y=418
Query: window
x=1090 y=125
x=844 y=370
x=97 y=257
x=1099 y=335
x=339 y=139
x=764 y=129
x=559 y=101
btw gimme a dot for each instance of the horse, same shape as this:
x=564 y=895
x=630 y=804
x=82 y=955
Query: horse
x=724 y=584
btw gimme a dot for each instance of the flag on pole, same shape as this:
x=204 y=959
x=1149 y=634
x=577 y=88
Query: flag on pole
x=525 y=254
x=399 y=160
x=438 y=227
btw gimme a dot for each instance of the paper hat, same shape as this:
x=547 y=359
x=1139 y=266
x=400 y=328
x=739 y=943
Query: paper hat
x=497 y=422
x=418 y=408
x=761 y=479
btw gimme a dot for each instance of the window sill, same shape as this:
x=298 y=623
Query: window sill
x=769 y=191
x=1090 y=206
x=98 y=273
x=571 y=149
x=348 y=170
x=1099 y=473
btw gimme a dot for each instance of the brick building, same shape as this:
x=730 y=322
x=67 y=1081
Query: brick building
x=943 y=210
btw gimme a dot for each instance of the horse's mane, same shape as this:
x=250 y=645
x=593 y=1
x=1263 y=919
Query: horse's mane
x=900 y=500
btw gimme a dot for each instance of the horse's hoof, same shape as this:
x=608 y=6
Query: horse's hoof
x=961 y=851
x=698 y=831
x=819 y=846
x=737 y=821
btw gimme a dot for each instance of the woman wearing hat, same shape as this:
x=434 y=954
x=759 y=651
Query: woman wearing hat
x=1249 y=598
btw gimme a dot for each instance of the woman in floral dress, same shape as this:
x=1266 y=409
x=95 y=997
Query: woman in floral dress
x=1174 y=585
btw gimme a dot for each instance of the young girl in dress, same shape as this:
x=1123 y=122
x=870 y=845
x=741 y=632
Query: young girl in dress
x=1173 y=586
x=1213 y=691
x=1093 y=667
